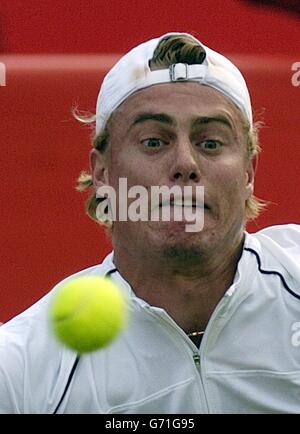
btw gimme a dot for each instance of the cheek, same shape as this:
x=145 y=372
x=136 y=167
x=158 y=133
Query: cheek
x=135 y=169
x=120 y=167
x=230 y=180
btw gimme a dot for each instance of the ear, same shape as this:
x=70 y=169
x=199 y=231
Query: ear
x=250 y=175
x=99 y=170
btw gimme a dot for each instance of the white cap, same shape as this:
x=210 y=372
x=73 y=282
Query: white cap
x=132 y=73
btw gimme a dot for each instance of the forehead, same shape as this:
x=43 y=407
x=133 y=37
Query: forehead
x=181 y=101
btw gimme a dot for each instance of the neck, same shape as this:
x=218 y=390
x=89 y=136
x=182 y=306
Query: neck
x=187 y=286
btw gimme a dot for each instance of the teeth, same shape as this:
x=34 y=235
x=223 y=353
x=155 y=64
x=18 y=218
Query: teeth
x=189 y=202
x=186 y=202
x=178 y=202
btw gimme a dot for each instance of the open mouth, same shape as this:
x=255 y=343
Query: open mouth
x=187 y=203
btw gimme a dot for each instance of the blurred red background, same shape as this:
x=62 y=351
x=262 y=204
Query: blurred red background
x=56 y=54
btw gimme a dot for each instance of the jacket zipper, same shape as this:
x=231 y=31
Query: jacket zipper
x=196 y=358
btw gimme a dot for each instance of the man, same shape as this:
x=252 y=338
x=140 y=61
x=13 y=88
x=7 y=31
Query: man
x=173 y=112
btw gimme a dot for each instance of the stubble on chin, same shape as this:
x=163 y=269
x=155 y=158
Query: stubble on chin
x=182 y=253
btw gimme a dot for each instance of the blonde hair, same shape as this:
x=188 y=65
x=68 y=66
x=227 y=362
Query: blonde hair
x=173 y=49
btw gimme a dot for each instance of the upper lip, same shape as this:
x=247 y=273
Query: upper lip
x=186 y=201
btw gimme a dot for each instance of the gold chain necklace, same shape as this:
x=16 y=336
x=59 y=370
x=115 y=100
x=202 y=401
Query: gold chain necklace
x=190 y=335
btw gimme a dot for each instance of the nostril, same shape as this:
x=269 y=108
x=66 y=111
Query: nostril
x=193 y=176
x=177 y=175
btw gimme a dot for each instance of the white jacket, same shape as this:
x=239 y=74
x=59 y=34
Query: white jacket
x=248 y=362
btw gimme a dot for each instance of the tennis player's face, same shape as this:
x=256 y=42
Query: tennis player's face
x=181 y=134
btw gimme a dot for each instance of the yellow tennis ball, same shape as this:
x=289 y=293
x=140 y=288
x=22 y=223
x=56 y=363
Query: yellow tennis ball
x=87 y=313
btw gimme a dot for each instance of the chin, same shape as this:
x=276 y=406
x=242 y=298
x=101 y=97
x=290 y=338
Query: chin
x=181 y=245
x=182 y=252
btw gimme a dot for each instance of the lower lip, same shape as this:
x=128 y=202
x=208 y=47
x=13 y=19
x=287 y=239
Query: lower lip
x=185 y=206
x=187 y=214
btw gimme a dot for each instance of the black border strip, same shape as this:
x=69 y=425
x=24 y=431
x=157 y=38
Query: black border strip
x=272 y=272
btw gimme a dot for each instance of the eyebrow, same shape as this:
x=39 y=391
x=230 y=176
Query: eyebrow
x=168 y=120
x=159 y=117
x=204 y=120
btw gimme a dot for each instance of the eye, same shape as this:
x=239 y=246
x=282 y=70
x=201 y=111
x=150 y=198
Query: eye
x=152 y=142
x=210 y=145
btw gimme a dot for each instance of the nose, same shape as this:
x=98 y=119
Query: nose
x=185 y=165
